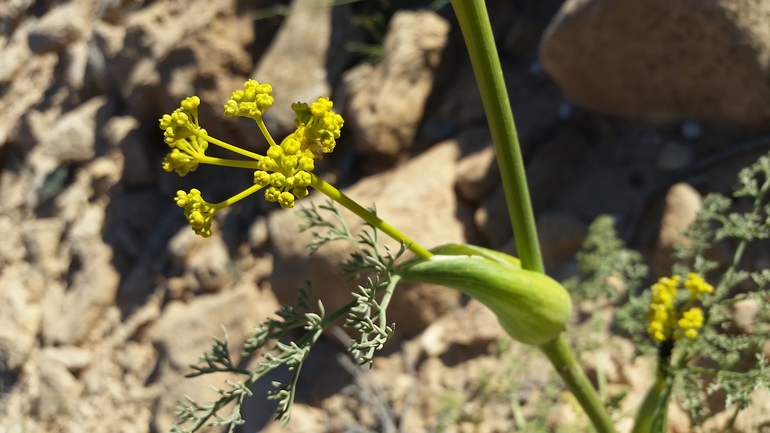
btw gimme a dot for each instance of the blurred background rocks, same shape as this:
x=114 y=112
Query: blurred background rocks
x=106 y=295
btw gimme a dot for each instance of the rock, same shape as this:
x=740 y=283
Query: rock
x=15 y=53
x=492 y=219
x=663 y=61
x=477 y=174
x=561 y=236
x=21 y=290
x=302 y=62
x=554 y=167
x=258 y=233
x=424 y=209
x=126 y=133
x=756 y=417
x=73 y=358
x=42 y=238
x=239 y=311
x=58 y=393
x=11 y=248
x=21 y=95
x=674 y=156
x=745 y=315
x=73 y=137
x=594 y=360
x=58 y=27
x=387 y=101
x=474 y=326
x=682 y=204
x=211 y=264
x=94 y=284
x=74 y=60
x=104 y=46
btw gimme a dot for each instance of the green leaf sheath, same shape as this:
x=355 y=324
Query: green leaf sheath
x=531 y=307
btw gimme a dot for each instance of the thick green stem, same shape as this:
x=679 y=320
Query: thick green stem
x=565 y=364
x=376 y=222
x=477 y=31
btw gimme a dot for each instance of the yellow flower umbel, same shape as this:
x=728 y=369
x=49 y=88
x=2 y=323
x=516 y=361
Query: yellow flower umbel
x=285 y=171
x=666 y=321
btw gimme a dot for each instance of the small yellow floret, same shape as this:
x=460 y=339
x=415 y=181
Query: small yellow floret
x=318 y=127
x=697 y=285
x=250 y=102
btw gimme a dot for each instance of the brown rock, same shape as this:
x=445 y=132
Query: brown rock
x=663 y=60
x=21 y=95
x=11 y=247
x=418 y=198
x=305 y=58
x=58 y=27
x=387 y=101
x=73 y=358
x=92 y=291
x=239 y=311
x=21 y=289
x=474 y=325
x=73 y=137
x=211 y=264
x=42 y=238
x=477 y=174
x=745 y=315
x=492 y=219
x=58 y=392
x=682 y=204
x=15 y=52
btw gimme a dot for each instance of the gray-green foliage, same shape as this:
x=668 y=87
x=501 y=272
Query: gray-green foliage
x=366 y=313
x=735 y=360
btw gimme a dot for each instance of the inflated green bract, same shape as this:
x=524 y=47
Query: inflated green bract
x=532 y=307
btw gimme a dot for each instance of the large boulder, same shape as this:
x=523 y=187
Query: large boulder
x=663 y=60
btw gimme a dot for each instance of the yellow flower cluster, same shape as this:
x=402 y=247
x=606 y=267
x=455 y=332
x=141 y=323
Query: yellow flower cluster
x=250 y=102
x=318 y=127
x=284 y=171
x=665 y=321
x=184 y=136
x=197 y=210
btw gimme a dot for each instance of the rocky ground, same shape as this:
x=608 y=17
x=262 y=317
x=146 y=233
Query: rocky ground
x=107 y=296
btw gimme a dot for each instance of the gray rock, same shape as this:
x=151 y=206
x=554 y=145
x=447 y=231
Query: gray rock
x=417 y=198
x=674 y=156
x=386 y=102
x=59 y=27
x=663 y=60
